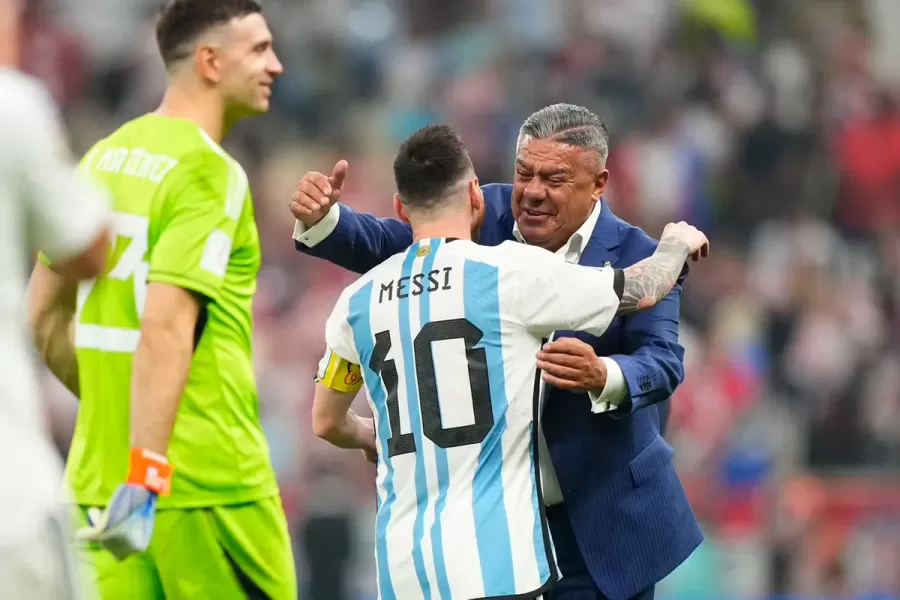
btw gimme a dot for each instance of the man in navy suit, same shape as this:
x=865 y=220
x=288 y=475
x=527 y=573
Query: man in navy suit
x=618 y=514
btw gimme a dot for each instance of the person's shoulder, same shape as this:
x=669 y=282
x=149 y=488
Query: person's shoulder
x=19 y=91
x=168 y=151
x=497 y=190
x=200 y=160
x=26 y=107
x=497 y=196
x=498 y=219
x=386 y=269
x=200 y=147
x=633 y=239
x=636 y=245
x=510 y=255
x=179 y=139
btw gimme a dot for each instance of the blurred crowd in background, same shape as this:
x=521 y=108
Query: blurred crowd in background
x=773 y=125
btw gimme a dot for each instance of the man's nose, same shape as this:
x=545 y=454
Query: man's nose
x=535 y=190
x=275 y=67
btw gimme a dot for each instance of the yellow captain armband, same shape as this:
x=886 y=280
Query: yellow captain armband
x=339 y=374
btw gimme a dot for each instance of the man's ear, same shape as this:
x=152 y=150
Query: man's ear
x=206 y=61
x=400 y=210
x=476 y=197
x=600 y=183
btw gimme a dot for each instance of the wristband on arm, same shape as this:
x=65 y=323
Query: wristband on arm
x=150 y=470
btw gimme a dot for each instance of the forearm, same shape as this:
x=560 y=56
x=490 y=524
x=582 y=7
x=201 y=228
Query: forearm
x=651 y=374
x=651 y=359
x=161 y=366
x=51 y=317
x=347 y=431
x=648 y=282
x=355 y=241
x=54 y=338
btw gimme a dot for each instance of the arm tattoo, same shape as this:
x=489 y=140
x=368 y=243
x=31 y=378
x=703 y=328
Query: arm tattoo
x=650 y=280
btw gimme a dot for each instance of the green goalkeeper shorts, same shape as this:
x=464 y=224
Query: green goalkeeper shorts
x=223 y=552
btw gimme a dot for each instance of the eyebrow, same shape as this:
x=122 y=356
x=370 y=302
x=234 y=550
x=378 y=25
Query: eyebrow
x=554 y=172
x=544 y=173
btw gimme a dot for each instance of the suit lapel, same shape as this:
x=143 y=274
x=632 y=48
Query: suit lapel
x=604 y=241
x=602 y=248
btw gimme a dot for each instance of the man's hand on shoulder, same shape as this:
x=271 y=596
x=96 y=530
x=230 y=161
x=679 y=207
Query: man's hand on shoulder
x=316 y=193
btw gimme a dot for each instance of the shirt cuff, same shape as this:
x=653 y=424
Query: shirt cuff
x=314 y=235
x=613 y=393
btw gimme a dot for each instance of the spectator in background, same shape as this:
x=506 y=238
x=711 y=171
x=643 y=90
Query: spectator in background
x=868 y=152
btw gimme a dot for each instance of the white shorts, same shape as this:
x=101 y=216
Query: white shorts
x=43 y=566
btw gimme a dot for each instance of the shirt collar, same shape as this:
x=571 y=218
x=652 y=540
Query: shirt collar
x=573 y=248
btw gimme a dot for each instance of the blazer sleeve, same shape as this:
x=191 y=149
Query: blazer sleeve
x=357 y=242
x=651 y=359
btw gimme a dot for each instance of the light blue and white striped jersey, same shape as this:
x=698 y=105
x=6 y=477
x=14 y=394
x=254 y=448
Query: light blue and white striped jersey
x=446 y=335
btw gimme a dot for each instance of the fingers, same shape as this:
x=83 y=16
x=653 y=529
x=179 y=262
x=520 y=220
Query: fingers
x=338 y=174
x=563 y=384
x=702 y=252
x=560 y=371
x=559 y=358
x=303 y=206
x=316 y=186
x=693 y=237
x=311 y=195
x=567 y=345
x=316 y=192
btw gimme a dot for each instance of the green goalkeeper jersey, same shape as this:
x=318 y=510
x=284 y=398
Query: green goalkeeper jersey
x=183 y=216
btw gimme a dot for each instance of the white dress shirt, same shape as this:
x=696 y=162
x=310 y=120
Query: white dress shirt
x=606 y=399
x=615 y=390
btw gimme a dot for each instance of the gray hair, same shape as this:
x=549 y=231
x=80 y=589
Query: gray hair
x=569 y=124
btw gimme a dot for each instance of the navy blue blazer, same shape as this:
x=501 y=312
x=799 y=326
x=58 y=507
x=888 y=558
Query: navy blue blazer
x=628 y=510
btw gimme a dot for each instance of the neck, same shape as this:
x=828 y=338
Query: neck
x=9 y=44
x=444 y=228
x=203 y=107
x=555 y=244
x=8 y=58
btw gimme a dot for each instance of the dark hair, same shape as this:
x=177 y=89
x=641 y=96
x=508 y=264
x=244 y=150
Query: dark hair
x=182 y=21
x=429 y=162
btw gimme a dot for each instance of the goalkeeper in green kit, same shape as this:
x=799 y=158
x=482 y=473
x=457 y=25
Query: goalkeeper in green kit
x=169 y=465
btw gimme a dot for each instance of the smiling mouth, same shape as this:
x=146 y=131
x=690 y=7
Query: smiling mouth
x=534 y=214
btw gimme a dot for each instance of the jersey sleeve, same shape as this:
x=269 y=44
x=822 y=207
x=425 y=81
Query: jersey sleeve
x=198 y=219
x=555 y=295
x=339 y=368
x=65 y=212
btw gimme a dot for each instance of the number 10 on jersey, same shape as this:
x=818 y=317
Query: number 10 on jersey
x=429 y=404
